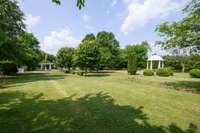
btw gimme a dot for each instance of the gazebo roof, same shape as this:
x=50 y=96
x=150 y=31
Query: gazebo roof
x=155 y=58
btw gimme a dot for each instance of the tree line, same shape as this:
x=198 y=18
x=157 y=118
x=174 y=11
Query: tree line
x=102 y=52
x=17 y=46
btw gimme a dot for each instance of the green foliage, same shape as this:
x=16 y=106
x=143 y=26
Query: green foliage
x=88 y=55
x=165 y=72
x=11 y=26
x=122 y=59
x=64 y=58
x=184 y=33
x=148 y=73
x=15 y=44
x=29 y=53
x=80 y=3
x=141 y=51
x=8 y=68
x=89 y=37
x=191 y=62
x=80 y=73
x=109 y=49
x=137 y=55
x=132 y=60
x=195 y=73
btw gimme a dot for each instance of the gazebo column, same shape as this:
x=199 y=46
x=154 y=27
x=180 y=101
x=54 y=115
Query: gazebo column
x=151 y=65
x=49 y=66
x=41 y=66
x=45 y=67
x=163 y=64
x=159 y=64
x=147 y=65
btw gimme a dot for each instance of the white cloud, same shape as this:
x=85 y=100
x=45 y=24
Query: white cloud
x=58 y=39
x=139 y=14
x=86 y=18
x=31 y=20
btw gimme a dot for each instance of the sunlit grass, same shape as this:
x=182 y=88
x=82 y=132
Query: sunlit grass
x=105 y=102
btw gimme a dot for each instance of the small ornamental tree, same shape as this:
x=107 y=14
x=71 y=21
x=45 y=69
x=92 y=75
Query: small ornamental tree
x=132 y=60
x=132 y=64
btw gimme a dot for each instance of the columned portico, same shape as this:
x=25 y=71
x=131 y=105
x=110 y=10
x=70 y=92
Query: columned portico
x=46 y=66
x=155 y=58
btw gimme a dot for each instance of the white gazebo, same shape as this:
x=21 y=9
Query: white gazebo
x=46 y=66
x=155 y=58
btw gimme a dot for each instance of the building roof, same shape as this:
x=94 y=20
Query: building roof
x=155 y=58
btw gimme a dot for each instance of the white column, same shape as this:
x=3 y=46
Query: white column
x=163 y=64
x=45 y=67
x=159 y=64
x=151 y=65
x=50 y=67
x=41 y=67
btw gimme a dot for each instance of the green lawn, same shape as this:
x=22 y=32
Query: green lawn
x=99 y=103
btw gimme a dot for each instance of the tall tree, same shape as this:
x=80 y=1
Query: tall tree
x=141 y=51
x=109 y=48
x=182 y=37
x=29 y=53
x=89 y=37
x=64 y=58
x=88 y=55
x=11 y=26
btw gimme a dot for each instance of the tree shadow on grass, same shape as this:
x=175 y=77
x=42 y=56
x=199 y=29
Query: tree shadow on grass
x=13 y=81
x=193 y=86
x=92 y=113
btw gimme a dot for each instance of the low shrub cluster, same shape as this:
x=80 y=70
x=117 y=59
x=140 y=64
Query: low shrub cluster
x=8 y=68
x=80 y=73
x=148 y=73
x=195 y=73
x=165 y=72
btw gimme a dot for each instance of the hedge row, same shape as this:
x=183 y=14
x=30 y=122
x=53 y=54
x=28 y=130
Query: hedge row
x=165 y=72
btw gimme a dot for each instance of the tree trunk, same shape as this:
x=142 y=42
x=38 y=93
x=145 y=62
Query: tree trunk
x=183 y=67
x=85 y=71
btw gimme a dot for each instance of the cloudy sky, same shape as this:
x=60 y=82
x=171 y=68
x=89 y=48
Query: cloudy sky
x=132 y=21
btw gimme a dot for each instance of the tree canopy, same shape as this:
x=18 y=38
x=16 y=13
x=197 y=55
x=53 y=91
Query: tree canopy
x=88 y=55
x=11 y=26
x=64 y=58
x=184 y=33
x=109 y=48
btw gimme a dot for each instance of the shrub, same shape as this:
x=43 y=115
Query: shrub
x=80 y=73
x=72 y=72
x=148 y=73
x=8 y=68
x=132 y=64
x=195 y=73
x=67 y=71
x=164 y=72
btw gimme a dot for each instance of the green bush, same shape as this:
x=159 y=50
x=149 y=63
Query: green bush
x=148 y=73
x=195 y=73
x=80 y=73
x=132 y=64
x=8 y=68
x=164 y=72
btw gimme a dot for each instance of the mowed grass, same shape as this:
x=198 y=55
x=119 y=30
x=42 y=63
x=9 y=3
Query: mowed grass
x=107 y=102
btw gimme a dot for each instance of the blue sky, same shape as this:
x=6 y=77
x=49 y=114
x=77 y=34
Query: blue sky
x=132 y=21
